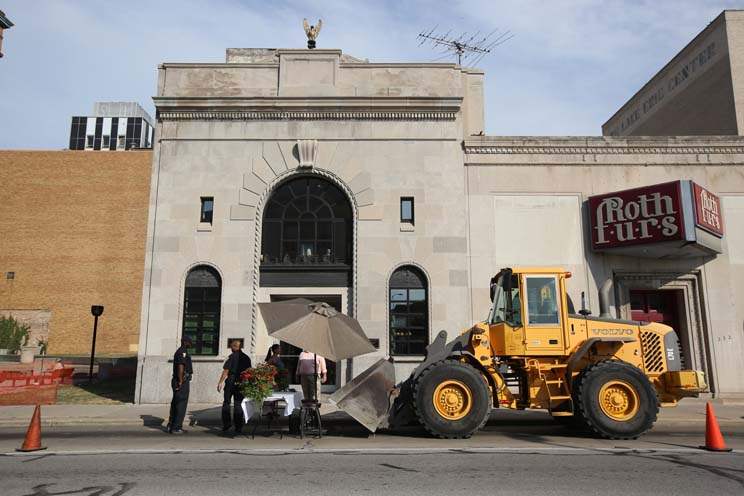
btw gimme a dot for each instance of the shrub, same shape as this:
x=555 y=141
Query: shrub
x=12 y=334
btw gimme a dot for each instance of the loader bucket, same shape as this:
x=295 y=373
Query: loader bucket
x=368 y=398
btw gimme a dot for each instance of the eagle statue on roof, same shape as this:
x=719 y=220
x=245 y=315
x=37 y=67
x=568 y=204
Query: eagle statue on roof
x=312 y=31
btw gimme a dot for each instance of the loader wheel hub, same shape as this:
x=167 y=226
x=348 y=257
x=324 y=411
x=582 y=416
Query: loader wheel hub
x=618 y=400
x=452 y=400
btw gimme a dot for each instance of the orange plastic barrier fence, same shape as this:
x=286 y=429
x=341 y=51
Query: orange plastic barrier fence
x=29 y=395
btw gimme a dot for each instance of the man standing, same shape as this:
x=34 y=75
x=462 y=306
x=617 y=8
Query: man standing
x=182 y=371
x=311 y=371
x=236 y=363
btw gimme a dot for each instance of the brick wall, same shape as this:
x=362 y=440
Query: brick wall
x=73 y=227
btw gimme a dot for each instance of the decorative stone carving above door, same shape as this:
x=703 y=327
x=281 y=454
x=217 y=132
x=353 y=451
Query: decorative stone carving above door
x=280 y=159
x=308 y=151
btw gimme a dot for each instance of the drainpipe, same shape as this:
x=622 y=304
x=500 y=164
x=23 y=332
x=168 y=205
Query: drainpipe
x=604 y=299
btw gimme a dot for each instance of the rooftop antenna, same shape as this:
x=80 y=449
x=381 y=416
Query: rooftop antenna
x=467 y=48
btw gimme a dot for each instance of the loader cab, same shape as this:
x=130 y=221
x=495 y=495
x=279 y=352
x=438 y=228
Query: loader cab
x=528 y=312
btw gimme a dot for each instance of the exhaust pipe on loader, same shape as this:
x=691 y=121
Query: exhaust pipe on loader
x=604 y=299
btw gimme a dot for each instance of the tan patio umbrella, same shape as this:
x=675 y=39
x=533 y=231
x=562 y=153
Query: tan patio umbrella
x=316 y=327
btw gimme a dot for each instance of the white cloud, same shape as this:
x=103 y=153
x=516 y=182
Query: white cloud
x=569 y=66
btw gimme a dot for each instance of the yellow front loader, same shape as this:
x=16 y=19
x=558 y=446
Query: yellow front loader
x=606 y=375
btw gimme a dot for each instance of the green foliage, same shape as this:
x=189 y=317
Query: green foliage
x=12 y=334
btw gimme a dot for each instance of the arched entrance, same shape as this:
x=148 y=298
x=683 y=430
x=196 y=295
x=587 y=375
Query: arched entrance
x=307 y=249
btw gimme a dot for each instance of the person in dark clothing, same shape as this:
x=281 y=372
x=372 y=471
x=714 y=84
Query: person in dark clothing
x=236 y=363
x=274 y=357
x=182 y=371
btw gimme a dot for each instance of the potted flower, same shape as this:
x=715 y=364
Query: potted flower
x=257 y=383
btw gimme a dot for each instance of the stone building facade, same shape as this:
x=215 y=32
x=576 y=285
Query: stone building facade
x=73 y=230
x=285 y=173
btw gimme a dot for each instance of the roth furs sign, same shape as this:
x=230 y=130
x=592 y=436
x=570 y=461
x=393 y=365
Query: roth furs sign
x=641 y=215
x=670 y=213
x=707 y=210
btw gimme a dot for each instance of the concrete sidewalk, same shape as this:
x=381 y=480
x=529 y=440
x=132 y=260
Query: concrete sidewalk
x=688 y=411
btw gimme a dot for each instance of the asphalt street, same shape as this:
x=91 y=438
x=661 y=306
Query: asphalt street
x=454 y=471
x=512 y=455
x=530 y=430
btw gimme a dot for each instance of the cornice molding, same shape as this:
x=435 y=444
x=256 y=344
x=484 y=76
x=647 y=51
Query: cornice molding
x=307 y=115
x=492 y=149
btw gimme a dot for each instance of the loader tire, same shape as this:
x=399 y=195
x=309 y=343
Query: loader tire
x=451 y=399
x=616 y=400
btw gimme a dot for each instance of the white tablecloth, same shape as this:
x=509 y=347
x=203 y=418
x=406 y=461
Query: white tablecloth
x=292 y=398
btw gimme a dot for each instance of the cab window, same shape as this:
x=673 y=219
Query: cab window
x=542 y=300
x=506 y=304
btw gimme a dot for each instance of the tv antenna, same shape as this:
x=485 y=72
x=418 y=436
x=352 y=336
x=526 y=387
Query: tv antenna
x=471 y=49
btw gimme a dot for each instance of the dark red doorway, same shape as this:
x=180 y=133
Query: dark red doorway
x=655 y=306
x=662 y=306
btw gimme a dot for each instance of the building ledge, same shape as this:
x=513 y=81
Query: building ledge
x=604 y=145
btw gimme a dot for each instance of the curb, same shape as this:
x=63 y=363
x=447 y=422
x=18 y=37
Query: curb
x=130 y=422
x=73 y=422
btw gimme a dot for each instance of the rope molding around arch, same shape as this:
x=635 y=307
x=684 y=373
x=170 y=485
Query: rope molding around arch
x=261 y=203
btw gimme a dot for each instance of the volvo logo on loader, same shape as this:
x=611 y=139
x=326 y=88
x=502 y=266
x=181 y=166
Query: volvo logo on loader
x=613 y=332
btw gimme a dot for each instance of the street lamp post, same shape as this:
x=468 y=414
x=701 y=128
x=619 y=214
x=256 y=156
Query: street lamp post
x=97 y=311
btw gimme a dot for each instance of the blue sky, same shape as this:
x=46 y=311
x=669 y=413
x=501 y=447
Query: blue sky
x=571 y=64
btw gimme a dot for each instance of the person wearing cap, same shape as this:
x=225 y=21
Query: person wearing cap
x=182 y=371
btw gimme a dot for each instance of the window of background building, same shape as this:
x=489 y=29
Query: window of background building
x=409 y=312
x=106 y=141
x=207 y=209
x=134 y=132
x=77 y=133
x=89 y=141
x=122 y=142
x=406 y=209
x=201 y=310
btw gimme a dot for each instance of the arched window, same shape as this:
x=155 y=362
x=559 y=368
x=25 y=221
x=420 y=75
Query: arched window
x=409 y=312
x=201 y=309
x=307 y=220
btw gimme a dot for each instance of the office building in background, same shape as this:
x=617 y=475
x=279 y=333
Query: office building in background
x=112 y=126
x=699 y=92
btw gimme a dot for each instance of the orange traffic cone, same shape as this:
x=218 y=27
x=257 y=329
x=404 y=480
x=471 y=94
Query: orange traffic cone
x=33 y=434
x=713 y=438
